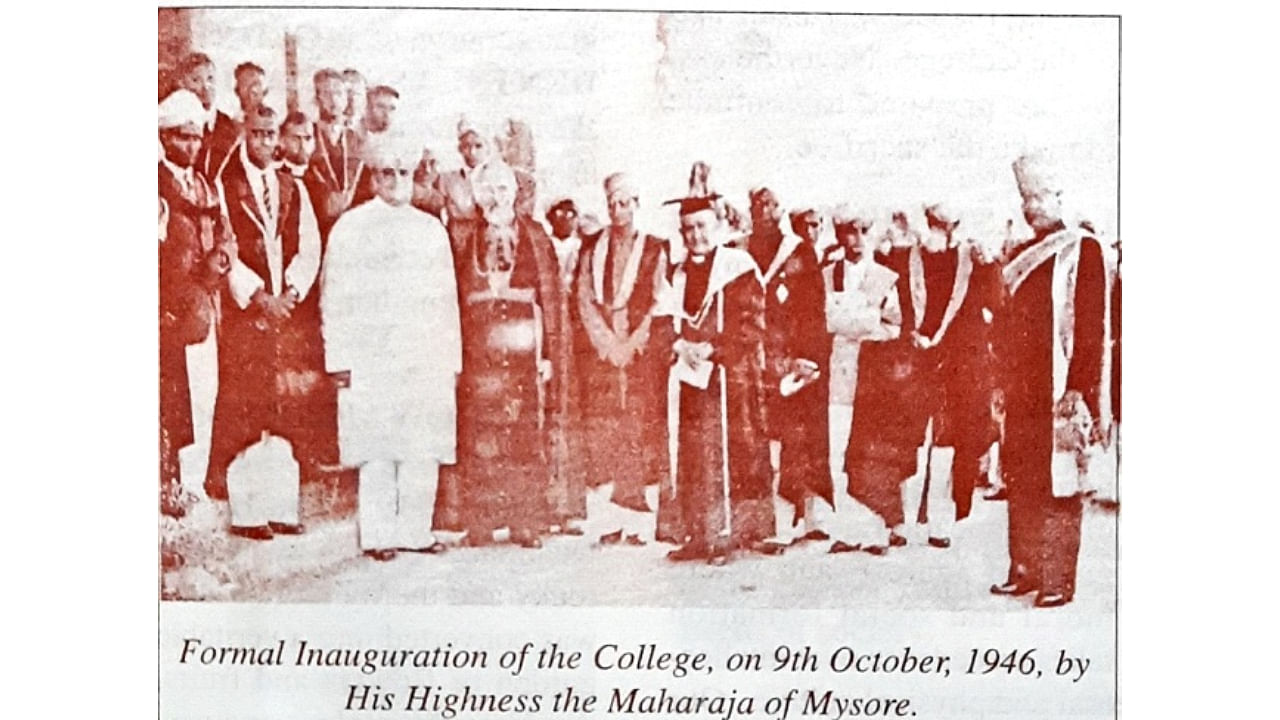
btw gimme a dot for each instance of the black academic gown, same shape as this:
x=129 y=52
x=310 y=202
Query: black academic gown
x=1044 y=530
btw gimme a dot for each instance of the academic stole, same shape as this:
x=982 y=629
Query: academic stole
x=616 y=333
x=717 y=299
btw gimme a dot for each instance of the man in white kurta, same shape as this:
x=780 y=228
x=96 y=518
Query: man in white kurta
x=393 y=345
x=855 y=293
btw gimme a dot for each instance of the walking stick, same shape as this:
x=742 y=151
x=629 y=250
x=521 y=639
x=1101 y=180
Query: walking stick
x=922 y=515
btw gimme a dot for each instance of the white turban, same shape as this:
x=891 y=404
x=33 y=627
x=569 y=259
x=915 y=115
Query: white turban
x=845 y=214
x=392 y=149
x=1035 y=174
x=180 y=108
x=466 y=125
x=620 y=182
x=942 y=214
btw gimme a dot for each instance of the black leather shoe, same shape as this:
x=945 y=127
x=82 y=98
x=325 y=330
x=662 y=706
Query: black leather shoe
x=255 y=532
x=478 y=538
x=940 y=542
x=1013 y=588
x=877 y=550
x=612 y=538
x=286 y=528
x=1051 y=599
x=815 y=536
x=896 y=540
x=526 y=539
x=768 y=547
x=381 y=555
x=169 y=505
x=216 y=488
x=434 y=548
x=997 y=494
x=688 y=552
x=841 y=546
x=571 y=530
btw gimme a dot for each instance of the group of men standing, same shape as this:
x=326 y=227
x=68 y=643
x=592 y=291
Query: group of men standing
x=478 y=369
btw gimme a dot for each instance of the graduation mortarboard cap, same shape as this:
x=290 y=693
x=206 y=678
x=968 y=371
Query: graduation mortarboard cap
x=689 y=205
x=181 y=107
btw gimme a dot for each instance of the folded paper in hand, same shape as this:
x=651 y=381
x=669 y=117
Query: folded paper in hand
x=698 y=375
x=852 y=317
x=795 y=381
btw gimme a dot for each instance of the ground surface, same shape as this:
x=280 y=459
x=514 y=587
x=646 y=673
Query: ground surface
x=574 y=571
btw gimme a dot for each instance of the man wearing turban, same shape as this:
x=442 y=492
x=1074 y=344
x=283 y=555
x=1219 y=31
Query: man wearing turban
x=797 y=351
x=1049 y=338
x=621 y=276
x=195 y=255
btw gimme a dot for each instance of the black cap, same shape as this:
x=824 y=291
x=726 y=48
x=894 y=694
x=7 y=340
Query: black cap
x=689 y=205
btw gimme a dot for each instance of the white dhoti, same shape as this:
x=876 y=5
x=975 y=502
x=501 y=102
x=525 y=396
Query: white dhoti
x=262 y=485
x=935 y=463
x=202 y=382
x=397 y=504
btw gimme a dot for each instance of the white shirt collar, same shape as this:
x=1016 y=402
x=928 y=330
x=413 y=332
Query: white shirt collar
x=211 y=118
x=257 y=176
x=296 y=171
x=185 y=175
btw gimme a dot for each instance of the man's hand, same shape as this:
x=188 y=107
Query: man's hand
x=1071 y=405
x=274 y=308
x=337 y=203
x=341 y=379
x=691 y=354
x=803 y=368
x=217 y=262
x=544 y=370
x=296 y=383
x=922 y=342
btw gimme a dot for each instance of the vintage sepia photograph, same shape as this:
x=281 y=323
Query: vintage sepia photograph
x=639 y=309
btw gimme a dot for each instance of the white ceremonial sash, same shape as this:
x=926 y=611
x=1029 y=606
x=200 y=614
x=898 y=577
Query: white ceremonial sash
x=919 y=291
x=959 y=289
x=785 y=248
x=1064 y=247
x=1069 y=478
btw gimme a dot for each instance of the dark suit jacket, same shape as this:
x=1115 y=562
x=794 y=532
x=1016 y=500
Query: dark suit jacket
x=219 y=144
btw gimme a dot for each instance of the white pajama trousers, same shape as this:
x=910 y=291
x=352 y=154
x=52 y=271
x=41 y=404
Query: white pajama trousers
x=202 y=381
x=941 y=505
x=267 y=498
x=397 y=500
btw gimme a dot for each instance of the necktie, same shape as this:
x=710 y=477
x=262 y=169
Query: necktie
x=266 y=197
